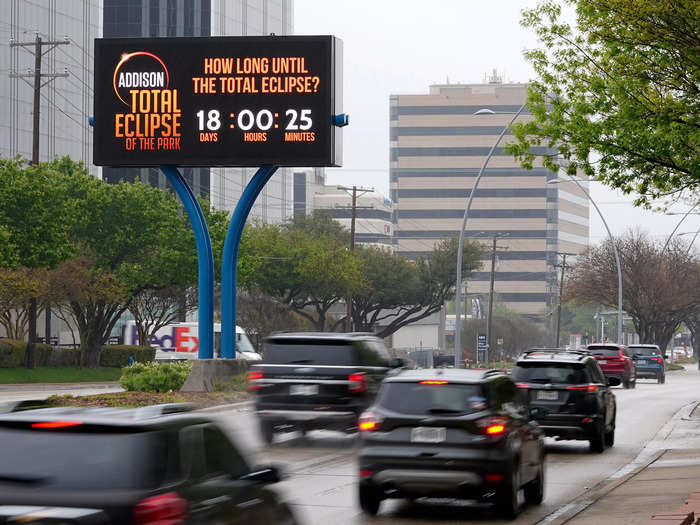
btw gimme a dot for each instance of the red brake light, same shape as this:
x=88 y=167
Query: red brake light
x=493 y=426
x=358 y=383
x=165 y=509
x=583 y=388
x=369 y=422
x=433 y=382
x=494 y=478
x=657 y=359
x=522 y=385
x=254 y=375
x=366 y=472
x=57 y=424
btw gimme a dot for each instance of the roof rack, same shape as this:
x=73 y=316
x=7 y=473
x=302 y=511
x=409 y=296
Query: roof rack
x=163 y=409
x=554 y=351
x=492 y=371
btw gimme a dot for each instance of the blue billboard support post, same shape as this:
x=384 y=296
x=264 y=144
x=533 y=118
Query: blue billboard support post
x=205 y=259
x=230 y=258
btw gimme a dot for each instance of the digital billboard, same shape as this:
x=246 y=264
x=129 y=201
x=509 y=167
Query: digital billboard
x=220 y=101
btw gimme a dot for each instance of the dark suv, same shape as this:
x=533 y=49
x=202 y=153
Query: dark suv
x=615 y=361
x=310 y=381
x=159 y=464
x=648 y=361
x=569 y=395
x=450 y=433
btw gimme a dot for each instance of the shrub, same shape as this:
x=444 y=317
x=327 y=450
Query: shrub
x=118 y=355
x=155 y=377
x=13 y=352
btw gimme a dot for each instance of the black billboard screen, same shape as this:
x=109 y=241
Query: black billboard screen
x=220 y=101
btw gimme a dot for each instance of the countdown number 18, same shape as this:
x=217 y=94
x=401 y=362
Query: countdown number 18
x=262 y=120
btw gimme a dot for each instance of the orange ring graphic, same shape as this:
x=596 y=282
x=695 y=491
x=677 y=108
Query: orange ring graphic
x=127 y=56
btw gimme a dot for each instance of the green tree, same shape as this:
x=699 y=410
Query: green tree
x=618 y=95
x=399 y=292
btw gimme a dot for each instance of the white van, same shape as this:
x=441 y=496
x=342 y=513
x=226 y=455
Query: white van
x=180 y=341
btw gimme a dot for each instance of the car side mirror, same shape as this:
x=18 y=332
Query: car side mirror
x=264 y=475
x=613 y=381
x=397 y=362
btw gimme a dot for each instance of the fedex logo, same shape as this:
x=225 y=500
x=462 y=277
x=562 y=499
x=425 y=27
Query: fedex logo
x=172 y=339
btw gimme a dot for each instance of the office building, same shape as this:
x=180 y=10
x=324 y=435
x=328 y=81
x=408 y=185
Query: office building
x=439 y=142
x=66 y=102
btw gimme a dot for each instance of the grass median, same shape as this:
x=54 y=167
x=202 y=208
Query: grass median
x=62 y=374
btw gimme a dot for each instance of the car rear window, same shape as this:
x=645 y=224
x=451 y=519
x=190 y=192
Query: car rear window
x=421 y=399
x=643 y=350
x=309 y=352
x=554 y=373
x=84 y=460
x=608 y=351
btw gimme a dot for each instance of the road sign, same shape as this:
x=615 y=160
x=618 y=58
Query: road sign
x=481 y=347
x=220 y=101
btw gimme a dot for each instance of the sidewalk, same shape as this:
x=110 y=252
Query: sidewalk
x=660 y=480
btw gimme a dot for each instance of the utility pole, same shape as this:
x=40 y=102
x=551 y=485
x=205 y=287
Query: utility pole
x=563 y=267
x=489 y=333
x=353 y=216
x=37 y=75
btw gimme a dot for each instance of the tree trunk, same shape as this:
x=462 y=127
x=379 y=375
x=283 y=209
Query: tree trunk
x=92 y=348
x=30 y=356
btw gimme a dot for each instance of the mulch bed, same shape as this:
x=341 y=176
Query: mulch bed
x=139 y=399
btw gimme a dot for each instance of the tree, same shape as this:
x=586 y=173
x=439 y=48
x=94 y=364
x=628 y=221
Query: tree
x=35 y=217
x=517 y=333
x=17 y=287
x=155 y=308
x=659 y=286
x=618 y=95
x=306 y=264
x=260 y=315
x=400 y=292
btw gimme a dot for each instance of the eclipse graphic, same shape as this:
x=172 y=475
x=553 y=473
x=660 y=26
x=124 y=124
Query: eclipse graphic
x=139 y=70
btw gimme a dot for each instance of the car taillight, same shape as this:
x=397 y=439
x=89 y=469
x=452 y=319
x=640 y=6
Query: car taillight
x=657 y=359
x=583 y=388
x=493 y=426
x=369 y=422
x=522 y=385
x=57 y=424
x=357 y=383
x=254 y=375
x=433 y=382
x=165 y=509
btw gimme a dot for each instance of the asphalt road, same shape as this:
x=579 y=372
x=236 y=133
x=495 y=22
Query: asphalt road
x=322 y=472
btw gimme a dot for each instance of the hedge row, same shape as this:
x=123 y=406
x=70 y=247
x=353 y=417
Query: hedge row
x=12 y=354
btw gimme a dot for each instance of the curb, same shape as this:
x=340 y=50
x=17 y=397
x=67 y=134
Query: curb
x=601 y=489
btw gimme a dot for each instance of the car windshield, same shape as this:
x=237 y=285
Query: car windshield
x=422 y=399
x=554 y=373
x=243 y=344
x=643 y=350
x=607 y=351
x=83 y=460
x=309 y=352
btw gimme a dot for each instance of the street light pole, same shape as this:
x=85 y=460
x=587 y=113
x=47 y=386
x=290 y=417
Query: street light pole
x=458 y=296
x=615 y=251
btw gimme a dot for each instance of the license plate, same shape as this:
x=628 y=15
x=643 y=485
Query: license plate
x=546 y=395
x=602 y=361
x=303 y=390
x=428 y=434
x=642 y=362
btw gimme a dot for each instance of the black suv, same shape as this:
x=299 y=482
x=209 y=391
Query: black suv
x=158 y=464
x=450 y=433
x=310 y=381
x=569 y=395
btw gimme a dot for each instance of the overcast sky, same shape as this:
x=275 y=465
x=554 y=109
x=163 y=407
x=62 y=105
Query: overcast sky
x=403 y=46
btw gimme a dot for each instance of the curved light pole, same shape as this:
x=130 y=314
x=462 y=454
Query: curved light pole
x=685 y=215
x=695 y=236
x=615 y=251
x=458 y=296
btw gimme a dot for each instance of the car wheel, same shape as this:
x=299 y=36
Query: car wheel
x=508 y=496
x=369 y=500
x=597 y=441
x=610 y=435
x=267 y=431
x=661 y=378
x=534 y=490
